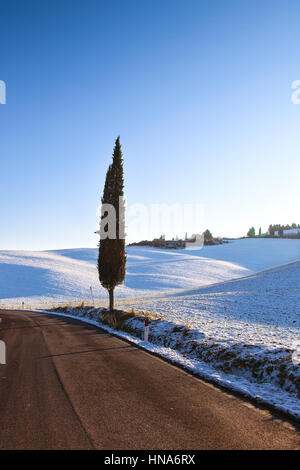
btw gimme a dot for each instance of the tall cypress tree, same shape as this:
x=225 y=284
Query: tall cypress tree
x=112 y=257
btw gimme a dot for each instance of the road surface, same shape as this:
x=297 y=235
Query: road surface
x=69 y=385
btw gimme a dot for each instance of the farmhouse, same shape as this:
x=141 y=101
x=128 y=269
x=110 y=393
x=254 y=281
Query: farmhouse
x=162 y=243
x=289 y=232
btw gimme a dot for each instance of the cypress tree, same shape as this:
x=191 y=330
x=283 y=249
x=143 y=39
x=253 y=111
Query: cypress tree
x=112 y=257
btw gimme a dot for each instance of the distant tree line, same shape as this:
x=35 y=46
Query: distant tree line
x=273 y=228
x=280 y=228
x=209 y=239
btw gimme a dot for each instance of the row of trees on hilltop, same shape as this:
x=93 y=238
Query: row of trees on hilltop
x=280 y=228
x=272 y=230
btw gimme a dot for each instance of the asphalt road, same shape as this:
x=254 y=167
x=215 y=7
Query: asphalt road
x=68 y=385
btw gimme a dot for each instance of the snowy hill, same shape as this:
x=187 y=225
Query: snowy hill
x=230 y=312
x=48 y=277
x=243 y=333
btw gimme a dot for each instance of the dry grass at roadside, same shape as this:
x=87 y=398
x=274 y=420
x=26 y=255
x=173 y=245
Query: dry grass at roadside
x=256 y=362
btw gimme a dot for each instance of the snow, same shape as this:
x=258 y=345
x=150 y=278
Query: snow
x=41 y=278
x=228 y=312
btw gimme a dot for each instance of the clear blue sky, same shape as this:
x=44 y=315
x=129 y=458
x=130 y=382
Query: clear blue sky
x=199 y=91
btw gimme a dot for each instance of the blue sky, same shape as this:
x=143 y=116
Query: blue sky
x=199 y=91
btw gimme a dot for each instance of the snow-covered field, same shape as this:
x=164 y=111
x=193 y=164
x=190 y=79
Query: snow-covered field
x=244 y=333
x=248 y=330
x=219 y=317
x=50 y=277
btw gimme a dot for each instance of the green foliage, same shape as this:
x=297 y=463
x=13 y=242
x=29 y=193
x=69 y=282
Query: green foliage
x=112 y=257
x=207 y=235
x=280 y=228
x=251 y=232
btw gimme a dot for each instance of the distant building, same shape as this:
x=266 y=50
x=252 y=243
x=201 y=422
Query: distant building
x=286 y=233
x=174 y=244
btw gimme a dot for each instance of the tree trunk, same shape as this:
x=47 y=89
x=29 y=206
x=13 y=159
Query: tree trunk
x=111 y=300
